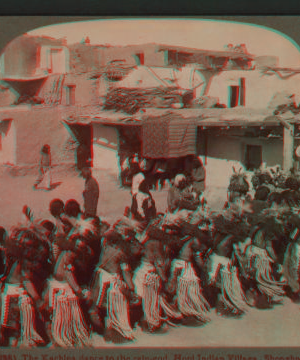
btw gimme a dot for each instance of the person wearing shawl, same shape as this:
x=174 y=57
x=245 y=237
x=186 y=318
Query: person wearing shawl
x=90 y=193
x=180 y=195
x=143 y=207
x=195 y=172
x=129 y=168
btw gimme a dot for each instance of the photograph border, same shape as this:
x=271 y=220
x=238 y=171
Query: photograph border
x=284 y=24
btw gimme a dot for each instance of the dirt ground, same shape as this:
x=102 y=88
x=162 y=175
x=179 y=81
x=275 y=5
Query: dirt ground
x=272 y=327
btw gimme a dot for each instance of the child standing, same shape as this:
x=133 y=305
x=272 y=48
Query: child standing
x=44 y=179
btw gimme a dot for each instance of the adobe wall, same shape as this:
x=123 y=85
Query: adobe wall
x=35 y=127
x=8 y=97
x=7 y=147
x=224 y=152
x=151 y=56
x=86 y=90
x=259 y=88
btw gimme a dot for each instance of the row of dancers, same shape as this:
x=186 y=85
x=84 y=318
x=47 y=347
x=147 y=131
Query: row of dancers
x=63 y=280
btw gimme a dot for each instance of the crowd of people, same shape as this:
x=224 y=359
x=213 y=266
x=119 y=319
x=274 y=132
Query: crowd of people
x=160 y=171
x=64 y=279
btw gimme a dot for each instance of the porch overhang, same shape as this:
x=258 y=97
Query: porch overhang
x=171 y=133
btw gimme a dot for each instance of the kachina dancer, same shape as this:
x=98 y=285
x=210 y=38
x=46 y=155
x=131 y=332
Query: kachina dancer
x=113 y=288
x=259 y=261
x=26 y=253
x=68 y=327
x=230 y=227
x=149 y=279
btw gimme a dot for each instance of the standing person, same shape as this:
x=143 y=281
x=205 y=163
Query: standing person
x=44 y=179
x=82 y=156
x=136 y=181
x=198 y=176
x=90 y=193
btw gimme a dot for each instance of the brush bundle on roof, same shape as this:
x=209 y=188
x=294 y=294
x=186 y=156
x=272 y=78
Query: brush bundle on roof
x=238 y=182
x=116 y=70
x=131 y=100
x=281 y=109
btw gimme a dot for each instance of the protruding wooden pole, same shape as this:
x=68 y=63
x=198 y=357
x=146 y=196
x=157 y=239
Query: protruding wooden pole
x=288 y=147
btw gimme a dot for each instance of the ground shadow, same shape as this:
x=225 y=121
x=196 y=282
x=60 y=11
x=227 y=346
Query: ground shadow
x=55 y=185
x=52 y=187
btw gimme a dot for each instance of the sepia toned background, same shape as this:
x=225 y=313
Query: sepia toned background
x=259 y=328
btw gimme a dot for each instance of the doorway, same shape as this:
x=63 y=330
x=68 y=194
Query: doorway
x=56 y=65
x=253 y=157
x=83 y=134
x=234 y=92
x=70 y=95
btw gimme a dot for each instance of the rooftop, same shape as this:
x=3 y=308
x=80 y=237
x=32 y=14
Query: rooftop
x=227 y=53
x=202 y=117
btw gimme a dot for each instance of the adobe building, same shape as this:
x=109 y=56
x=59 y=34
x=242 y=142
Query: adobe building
x=55 y=93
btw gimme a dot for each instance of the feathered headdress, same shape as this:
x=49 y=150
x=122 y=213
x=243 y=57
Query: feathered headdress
x=238 y=182
x=231 y=222
x=29 y=243
x=272 y=221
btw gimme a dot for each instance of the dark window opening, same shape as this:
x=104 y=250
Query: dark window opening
x=242 y=91
x=234 y=96
x=253 y=157
x=140 y=58
x=172 y=57
x=70 y=94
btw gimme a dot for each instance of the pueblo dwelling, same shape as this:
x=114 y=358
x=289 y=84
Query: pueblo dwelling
x=161 y=102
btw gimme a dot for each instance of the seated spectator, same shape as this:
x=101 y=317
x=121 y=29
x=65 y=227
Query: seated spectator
x=180 y=195
x=143 y=206
x=72 y=214
x=57 y=208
